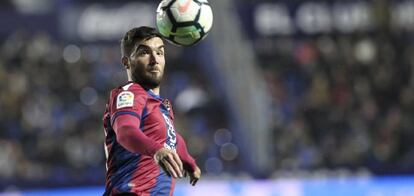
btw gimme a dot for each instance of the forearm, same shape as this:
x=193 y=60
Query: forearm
x=188 y=161
x=130 y=136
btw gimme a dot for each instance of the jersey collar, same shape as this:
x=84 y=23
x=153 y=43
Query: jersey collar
x=150 y=92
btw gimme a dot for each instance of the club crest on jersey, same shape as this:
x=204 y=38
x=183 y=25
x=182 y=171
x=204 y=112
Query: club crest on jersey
x=167 y=104
x=125 y=99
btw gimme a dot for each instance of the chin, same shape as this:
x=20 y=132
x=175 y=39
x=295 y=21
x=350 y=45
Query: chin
x=154 y=79
x=152 y=83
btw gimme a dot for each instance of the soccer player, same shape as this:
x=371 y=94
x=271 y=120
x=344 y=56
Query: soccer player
x=144 y=153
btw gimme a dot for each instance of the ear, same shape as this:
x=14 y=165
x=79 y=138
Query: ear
x=125 y=62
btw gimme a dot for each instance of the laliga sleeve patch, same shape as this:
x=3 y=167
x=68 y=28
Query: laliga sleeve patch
x=125 y=99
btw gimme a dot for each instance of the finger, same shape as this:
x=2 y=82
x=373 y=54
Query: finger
x=164 y=168
x=193 y=181
x=174 y=164
x=179 y=162
x=197 y=175
x=169 y=168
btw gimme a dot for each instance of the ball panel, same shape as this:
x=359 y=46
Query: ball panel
x=164 y=25
x=184 y=12
x=206 y=19
x=185 y=24
x=187 y=35
x=188 y=31
x=183 y=41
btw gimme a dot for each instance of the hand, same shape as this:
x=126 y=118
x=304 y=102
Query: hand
x=194 y=176
x=169 y=161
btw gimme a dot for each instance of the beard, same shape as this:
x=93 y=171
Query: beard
x=147 y=79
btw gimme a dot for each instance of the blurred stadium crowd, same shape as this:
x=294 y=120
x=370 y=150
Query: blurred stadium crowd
x=339 y=102
x=343 y=101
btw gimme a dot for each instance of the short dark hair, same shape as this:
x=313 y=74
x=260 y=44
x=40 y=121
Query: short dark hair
x=135 y=35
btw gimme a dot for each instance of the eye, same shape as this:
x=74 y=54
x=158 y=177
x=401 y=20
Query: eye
x=160 y=52
x=143 y=51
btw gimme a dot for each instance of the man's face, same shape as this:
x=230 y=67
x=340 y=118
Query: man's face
x=147 y=62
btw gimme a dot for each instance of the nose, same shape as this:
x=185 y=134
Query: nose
x=153 y=60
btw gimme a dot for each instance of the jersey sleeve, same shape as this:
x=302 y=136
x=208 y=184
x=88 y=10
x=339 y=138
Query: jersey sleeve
x=127 y=107
x=128 y=101
x=129 y=135
x=188 y=161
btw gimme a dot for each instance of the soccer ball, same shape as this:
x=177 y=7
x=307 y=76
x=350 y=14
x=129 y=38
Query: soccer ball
x=184 y=22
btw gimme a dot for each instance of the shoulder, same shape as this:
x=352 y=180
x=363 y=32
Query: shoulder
x=129 y=95
x=130 y=88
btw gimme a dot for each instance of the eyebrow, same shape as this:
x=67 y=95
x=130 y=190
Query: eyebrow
x=146 y=46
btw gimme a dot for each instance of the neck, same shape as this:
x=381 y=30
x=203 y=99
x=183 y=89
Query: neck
x=156 y=90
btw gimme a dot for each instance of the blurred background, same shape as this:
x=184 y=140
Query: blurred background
x=283 y=97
